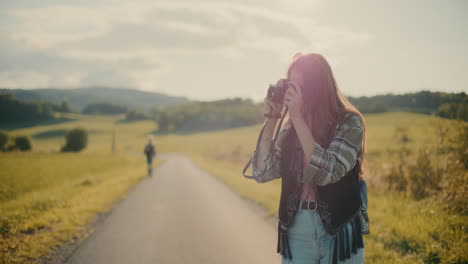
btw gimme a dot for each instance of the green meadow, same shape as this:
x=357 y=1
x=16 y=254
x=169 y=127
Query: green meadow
x=48 y=197
x=403 y=230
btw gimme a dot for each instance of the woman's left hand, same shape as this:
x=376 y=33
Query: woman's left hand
x=293 y=100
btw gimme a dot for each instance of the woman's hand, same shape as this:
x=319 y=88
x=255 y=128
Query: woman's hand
x=272 y=107
x=293 y=100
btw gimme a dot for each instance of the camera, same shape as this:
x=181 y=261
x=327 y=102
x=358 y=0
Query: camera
x=276 y=91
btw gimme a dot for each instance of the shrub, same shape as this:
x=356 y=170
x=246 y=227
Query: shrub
x=10 y=147
x=455 y=184
x=396 y=179
x=438 y=170
x=3 y=140
x=76 y=140
x=453 y=111
x=23 y=143
x=423 y=177
x=459 y=143
x=414 y=173
x=455 y=192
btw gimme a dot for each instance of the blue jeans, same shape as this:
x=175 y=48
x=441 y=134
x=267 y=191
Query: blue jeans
x=311 y=244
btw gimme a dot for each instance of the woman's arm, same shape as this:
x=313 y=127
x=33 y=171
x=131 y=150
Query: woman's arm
x=305 y=136
x=265 y=164
x=265 y=142
x=329 y=165
x=325 y=166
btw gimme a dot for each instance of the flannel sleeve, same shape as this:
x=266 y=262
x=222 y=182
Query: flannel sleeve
x=327 y=166
x=272 y=161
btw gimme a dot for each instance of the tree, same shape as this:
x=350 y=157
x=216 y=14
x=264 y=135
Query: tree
x=453 y=111
x=203 y=116
x=135 y=115
x=23 y=143
x=64 y=107
x=13 y=110
x=104 y=109
x=76 y=140
x=3 y=139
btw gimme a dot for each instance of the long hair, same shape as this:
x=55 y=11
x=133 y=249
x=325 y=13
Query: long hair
x=324 y=107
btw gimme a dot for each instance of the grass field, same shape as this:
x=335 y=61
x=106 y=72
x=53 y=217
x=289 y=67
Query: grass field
x=42 y=206
x=403 y=230
x=47 y=197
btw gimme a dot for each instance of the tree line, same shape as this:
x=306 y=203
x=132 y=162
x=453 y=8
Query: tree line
x=229 y=113
x=424 y=102
x=105 y=108
x=14 y=110
x=201 y=116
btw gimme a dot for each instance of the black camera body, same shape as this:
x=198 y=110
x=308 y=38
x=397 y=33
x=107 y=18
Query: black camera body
x=277 y=91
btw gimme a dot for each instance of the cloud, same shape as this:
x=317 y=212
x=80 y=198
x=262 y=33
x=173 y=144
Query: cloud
x=23 y=66
x=213 y=26
x=107 y=78
x=146 y=42
x=16 y=55
x=135 y=36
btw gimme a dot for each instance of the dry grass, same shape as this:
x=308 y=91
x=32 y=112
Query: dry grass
x=42 y=211
x=48 y=197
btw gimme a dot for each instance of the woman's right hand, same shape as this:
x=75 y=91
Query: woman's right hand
x=272 y=107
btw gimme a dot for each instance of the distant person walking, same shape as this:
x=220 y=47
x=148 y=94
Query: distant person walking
x=150 y=152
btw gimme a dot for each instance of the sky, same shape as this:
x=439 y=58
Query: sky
x=214 y=49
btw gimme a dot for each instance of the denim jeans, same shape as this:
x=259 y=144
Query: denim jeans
x=311 y=244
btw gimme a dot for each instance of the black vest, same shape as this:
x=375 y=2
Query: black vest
x=339 y=201
x=340 y=204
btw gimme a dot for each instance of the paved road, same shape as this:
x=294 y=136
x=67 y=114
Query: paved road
x=180 y=215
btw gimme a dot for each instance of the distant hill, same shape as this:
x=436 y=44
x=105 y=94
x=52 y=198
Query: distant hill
x=80 y=97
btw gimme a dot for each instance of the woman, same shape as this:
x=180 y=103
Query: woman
x=326 y=136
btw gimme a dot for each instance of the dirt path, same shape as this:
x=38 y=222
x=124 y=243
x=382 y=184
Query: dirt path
x=180 y=215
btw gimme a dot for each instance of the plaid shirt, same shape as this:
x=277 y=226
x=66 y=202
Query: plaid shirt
x=325 y=166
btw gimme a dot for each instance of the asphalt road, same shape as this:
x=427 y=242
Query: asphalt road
x=180 y=215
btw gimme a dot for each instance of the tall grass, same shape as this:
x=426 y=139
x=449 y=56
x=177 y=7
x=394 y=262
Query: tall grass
x=404 y=230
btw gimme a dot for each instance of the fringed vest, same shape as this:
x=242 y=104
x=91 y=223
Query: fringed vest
x=338 y=204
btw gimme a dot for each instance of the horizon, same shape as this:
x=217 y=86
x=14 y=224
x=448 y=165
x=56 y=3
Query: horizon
x=216 y=99
x=207 y=50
